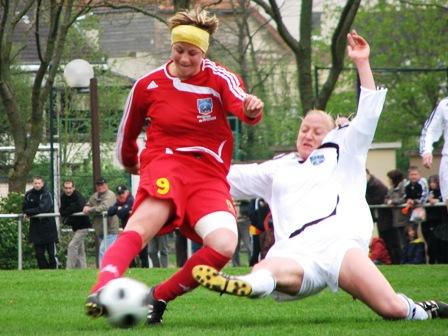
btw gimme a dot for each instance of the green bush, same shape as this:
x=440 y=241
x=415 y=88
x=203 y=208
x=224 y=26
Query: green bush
x=9 y=247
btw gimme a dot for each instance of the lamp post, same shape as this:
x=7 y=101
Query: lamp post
x=79 y=74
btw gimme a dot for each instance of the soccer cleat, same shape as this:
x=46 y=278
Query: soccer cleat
x=435 y=309
x=94 y=307
x=219 y=282
x=156 y=308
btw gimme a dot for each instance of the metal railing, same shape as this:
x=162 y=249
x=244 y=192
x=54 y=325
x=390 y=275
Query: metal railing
x=20 y=218
x=104 y=215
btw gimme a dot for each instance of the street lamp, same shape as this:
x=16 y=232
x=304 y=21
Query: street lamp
x=79 y=74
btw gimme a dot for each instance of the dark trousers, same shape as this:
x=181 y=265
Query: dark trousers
x=144 y=258
x=42 y=262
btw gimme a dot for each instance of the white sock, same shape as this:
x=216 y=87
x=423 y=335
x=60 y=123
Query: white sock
x=415 y=312
x=262 y=282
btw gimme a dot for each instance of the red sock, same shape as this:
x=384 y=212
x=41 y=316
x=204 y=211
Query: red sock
x=182 y=281
x=117 y=258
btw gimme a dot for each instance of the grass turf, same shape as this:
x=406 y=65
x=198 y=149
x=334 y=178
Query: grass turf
x=52 y=303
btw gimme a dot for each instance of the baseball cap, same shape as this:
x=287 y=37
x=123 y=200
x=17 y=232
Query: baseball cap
x=101 y=180
x=121 y=188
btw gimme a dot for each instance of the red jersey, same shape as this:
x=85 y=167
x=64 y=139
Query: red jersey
x=184 y=115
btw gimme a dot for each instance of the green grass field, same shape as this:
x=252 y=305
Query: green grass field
x=52 y=303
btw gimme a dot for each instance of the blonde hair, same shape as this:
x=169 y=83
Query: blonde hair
x=195 y=17
x=330 y=121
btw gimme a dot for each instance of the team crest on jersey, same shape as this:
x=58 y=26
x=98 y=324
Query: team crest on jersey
x=205 y=108
x=317 y=159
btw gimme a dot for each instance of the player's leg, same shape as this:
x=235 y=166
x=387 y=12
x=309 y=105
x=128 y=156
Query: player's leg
x=361 y=278
x=273 y=273
x=218 y=231
x=147 y=219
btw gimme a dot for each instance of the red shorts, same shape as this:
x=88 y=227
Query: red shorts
x=195 y=186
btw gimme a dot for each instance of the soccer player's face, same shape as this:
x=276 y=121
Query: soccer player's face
x=312 y=132
x=187 y=59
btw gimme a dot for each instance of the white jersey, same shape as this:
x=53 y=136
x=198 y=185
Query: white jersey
x=330 y=183
x=435 y=126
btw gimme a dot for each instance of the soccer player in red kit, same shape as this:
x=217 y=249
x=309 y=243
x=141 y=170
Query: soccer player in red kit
x=184 y=164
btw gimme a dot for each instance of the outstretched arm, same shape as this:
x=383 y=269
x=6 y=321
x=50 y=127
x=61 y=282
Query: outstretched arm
x=359 y=51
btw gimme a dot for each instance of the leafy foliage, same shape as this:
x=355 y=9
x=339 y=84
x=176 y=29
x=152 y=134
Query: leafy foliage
x=9 y=251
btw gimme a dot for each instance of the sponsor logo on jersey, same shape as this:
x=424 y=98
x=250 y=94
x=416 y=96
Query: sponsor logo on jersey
x=152 y=85
x=205 y=109
x=317 y=159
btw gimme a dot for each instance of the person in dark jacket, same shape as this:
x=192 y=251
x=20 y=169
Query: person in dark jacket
x=43 y=230
x=414 y=249
x=73 y=201
x=123 y=209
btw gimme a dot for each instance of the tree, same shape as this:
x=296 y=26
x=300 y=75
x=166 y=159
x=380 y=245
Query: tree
x=302 y=48
x=49 y=21
x=410 y=51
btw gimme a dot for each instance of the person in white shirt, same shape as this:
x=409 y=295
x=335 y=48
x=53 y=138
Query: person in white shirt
x=325 y=243
x=435 y=126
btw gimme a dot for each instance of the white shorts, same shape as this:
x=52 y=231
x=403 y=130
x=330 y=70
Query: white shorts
x=319 y=249
x=443 y=177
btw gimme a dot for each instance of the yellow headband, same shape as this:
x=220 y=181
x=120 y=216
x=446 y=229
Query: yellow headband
x=190 y=34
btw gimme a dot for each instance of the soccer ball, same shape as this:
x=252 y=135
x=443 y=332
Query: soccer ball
x=125 y=301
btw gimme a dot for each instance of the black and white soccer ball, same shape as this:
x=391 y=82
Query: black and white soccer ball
x=125 y=301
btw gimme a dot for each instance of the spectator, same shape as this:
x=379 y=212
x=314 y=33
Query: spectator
x=376 y=192
x=378 y=252
x=98 y=203
x=43 y=230
x=436 y=216
x=123 y=209
x=243 y=223
x=395 y=198
x=158 y=251
x=258 y=219
x=416 y=194
x=72 y=201
x=414 y=248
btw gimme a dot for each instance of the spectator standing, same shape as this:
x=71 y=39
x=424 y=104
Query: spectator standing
x=243 y=224
x=416 y=194
x=395 y=198
x=378 y=252
x=436 y=216
x=72 y=201
x=43 y=230
x=414 y=248
x=434 y=128
x=98 y=203
x=158 y=251
x=376 y=193
x=123 y=209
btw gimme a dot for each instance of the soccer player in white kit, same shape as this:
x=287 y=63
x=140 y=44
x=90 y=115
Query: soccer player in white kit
x=435 y=126
x=322 y=222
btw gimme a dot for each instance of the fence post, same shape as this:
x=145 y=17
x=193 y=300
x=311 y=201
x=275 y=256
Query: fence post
x=19 y=238
x=104 y=214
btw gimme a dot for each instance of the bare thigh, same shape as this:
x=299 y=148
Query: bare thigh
x=361 y=278
x=150 y=217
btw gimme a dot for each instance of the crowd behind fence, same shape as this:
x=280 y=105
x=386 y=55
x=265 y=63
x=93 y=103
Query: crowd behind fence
x=20 y=218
